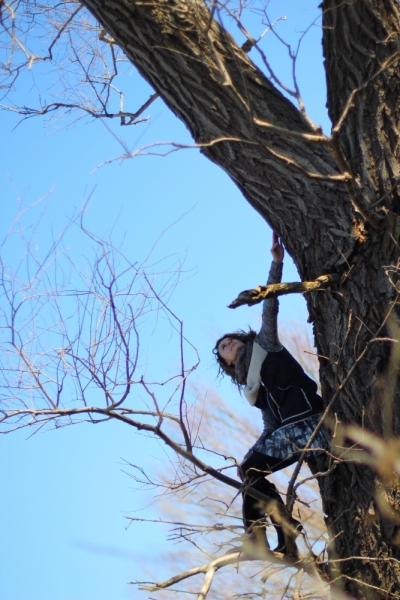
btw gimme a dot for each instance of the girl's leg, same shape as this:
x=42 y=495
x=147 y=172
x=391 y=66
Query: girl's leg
x=253 y=470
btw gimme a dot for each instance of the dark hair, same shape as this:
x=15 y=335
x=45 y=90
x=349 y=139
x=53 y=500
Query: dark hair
x=224 y=368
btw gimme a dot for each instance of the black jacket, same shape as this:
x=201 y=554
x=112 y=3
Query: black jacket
x=286 y=392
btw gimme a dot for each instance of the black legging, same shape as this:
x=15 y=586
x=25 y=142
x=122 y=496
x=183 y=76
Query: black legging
x=253 y=470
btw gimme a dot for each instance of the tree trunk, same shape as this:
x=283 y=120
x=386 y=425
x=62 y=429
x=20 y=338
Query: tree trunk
x=359 y=39
x=320 y=199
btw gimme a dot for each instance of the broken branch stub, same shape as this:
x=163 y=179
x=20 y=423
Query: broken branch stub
x=261 y=292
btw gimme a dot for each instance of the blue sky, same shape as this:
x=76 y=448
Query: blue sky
x=64 y=493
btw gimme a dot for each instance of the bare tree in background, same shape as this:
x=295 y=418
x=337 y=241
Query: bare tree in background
x=75 y=348
x=72 y=328
x=334 y=200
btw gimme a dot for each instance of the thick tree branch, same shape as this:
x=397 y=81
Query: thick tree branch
x=262 y=292
x=363 y=79
x=214 y=88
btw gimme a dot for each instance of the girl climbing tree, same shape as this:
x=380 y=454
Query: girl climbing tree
x=274 y=382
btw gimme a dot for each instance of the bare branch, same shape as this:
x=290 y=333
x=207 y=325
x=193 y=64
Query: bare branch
x=262 y=292
x=210 y=568
x=50 y=108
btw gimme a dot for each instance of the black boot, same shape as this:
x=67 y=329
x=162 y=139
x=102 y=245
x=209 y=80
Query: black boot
x=256 y=542
x=253 y=470
x=287 y=529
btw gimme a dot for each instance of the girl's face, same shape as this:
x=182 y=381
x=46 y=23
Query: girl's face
x=228 y=349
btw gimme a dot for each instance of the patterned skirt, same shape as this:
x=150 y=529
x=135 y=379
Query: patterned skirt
x=289 y=441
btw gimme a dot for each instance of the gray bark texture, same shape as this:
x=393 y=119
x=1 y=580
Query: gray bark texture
x=336 y=206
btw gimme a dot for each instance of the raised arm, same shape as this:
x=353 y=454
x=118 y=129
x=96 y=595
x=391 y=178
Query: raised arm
x=268 y=334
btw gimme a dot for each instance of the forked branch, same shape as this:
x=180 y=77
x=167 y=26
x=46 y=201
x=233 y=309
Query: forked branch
x=233 y=557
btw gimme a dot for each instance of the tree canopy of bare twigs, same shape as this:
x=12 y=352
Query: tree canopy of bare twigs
x=75 y=349
x=333 y=198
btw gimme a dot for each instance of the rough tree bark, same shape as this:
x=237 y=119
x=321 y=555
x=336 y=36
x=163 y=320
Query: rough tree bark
x=334 y=202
